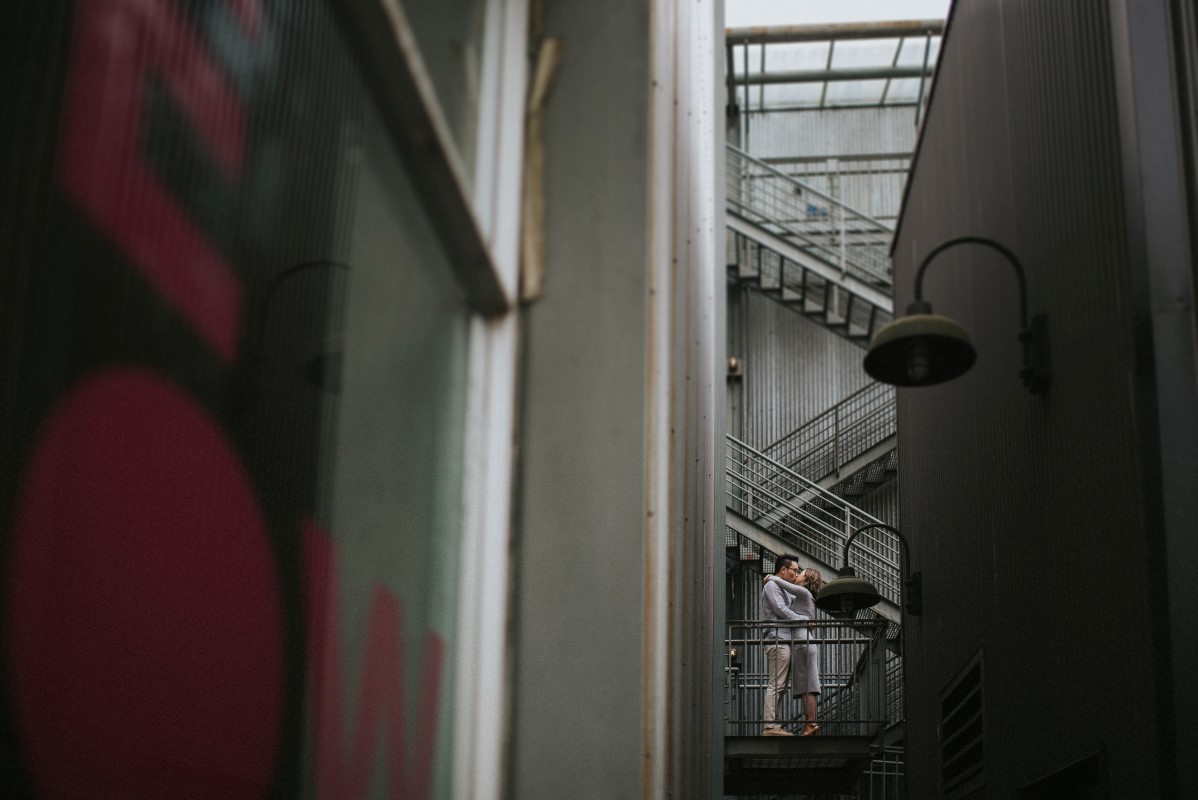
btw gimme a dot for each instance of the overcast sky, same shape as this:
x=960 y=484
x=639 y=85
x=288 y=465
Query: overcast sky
x=741 y=13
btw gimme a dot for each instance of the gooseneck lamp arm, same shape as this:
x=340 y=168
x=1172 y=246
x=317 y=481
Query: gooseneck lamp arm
x=988 y=243
x=248 y=386
x=912 y=599
x=923 y=349
x=1033 y=337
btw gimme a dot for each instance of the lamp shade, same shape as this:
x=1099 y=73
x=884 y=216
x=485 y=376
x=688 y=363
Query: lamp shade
x=847 y=594
x=324 y=369
x=919 y=349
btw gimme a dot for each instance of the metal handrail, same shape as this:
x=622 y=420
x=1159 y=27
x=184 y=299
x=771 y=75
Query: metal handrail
x=806 y=187
x=853 y=672
x=836 y=233
x=853 y=426
x=816 y=521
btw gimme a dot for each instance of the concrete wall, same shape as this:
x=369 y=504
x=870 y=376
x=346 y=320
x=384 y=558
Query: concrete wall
x=1039 y=523
x=615 y=544
x=579 y=587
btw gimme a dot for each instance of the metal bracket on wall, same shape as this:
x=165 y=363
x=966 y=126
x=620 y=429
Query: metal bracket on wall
x=532 y=223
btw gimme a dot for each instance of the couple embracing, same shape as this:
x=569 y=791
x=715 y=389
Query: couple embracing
x=789 y=596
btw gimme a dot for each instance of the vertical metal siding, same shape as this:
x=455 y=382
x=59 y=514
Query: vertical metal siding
x=1024 y=513
x=840 y=133
x=882 y=503
x=794 y=369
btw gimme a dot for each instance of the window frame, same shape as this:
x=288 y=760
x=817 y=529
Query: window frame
x=478 y=225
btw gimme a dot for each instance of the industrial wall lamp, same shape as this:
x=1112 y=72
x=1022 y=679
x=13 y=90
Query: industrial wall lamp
x=849 y=594
x=923 y=349
x=322 y=369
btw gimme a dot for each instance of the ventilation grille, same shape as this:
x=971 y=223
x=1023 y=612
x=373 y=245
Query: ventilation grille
x=962 y=733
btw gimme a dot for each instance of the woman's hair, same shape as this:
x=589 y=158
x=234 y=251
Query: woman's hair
x=815 y=581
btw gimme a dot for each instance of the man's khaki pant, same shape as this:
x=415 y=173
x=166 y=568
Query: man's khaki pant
x=777 y=659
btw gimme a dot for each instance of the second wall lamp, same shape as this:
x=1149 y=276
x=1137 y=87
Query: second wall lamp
x=923 y=349
x=848 y=594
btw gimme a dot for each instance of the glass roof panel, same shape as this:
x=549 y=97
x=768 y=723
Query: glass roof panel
x=789 y=95
x=905 y=90
x=776 y=58
x=855 y=93
x=793 y=57
x=911 y=53
x=782 y=57
x=865 y=53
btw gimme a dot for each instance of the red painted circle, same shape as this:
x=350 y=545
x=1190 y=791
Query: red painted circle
x=145 y=644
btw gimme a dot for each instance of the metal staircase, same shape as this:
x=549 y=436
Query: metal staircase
x=831 y=263
x=807 y=250
x=849 y=448
x=861 y=708
x=781 y=510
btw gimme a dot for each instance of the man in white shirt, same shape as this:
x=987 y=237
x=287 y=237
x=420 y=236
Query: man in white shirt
x=775 y=605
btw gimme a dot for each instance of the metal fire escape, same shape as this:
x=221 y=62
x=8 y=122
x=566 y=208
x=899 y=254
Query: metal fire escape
x=807 y=250
x=833 y=267
x=812 y=253
x=773 y=510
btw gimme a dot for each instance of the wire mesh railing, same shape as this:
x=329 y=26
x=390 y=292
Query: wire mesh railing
x=848 y=429
x=885 y=778
x=813 y=221
x=894 y=688
x=852 y=657
x=812 y=519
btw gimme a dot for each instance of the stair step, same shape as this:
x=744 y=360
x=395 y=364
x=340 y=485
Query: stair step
x=793 y=273
x=836 y=322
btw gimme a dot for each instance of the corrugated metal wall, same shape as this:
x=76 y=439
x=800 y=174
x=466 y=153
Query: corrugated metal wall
x=1026 y=514
x=794 y=368
x=882 y=503
x=832 y=133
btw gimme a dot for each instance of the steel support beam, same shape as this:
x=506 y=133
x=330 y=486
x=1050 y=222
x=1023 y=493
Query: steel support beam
x=833 y=75
x=821 y=33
